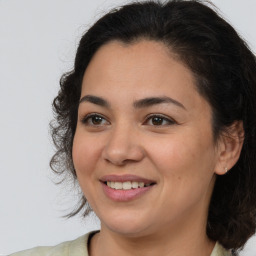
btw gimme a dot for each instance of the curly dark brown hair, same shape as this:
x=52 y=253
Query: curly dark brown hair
x=225 y=71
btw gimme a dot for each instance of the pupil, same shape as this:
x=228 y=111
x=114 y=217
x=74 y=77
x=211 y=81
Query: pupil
x=96 y=120
x=157 y=120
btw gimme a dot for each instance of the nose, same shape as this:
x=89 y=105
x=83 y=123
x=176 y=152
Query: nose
x=123 y=146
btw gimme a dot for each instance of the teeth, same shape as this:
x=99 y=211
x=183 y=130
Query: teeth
x=141 y=184
x=118 y=185
x=126 y=185
x=112 y=184
x=135 y=184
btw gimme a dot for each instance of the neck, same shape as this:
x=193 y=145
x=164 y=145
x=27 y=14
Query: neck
x=182 y=239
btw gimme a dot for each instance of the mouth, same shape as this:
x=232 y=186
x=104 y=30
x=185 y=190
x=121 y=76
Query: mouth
x=125 y=187
x=127 y=184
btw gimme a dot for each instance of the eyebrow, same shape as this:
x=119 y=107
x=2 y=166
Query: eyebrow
x=95 y=100
x=146 y=102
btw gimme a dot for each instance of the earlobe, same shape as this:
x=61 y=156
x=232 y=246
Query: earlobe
x=229 y=147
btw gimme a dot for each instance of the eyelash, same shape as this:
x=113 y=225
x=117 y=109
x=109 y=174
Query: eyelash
x=87 y=120
x=168 y=120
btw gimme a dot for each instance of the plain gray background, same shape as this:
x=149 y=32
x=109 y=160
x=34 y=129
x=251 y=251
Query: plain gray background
x=37 y=44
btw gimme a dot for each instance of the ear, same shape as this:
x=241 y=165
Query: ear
x=229 y=147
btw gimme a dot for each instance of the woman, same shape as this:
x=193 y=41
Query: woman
x=156 y=122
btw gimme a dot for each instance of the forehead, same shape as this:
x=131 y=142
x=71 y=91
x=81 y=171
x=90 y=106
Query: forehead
x=141 y=69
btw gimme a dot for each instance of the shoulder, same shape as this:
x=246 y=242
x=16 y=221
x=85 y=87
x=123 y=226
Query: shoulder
x=77 y=247
x=219 y=250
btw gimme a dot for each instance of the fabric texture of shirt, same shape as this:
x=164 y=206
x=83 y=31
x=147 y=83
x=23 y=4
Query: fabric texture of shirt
x=79 y=247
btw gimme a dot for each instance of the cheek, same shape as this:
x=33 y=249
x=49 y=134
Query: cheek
x=184 y=158
x=85 y=153
x=186 y=171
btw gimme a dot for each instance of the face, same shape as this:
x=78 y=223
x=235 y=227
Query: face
x=143 y=150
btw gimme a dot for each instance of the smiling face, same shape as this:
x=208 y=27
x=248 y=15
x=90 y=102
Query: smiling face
x=143 y=150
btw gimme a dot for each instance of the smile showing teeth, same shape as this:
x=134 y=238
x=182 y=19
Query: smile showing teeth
x=126 y=185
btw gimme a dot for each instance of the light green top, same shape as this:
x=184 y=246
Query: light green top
x=79 y=247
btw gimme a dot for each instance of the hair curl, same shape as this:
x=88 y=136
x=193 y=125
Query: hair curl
x=225 y=71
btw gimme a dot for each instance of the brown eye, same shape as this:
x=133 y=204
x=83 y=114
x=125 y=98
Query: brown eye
x=158 y=120
x=94 y=120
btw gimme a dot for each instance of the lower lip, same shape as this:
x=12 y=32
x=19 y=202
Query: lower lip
x=124 y=195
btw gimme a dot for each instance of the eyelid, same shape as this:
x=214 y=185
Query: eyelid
x=85 y=119
x=170 y=120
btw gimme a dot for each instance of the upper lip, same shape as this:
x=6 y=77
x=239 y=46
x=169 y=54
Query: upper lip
x=124 y=178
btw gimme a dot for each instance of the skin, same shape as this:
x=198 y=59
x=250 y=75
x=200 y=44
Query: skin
x=178 y=153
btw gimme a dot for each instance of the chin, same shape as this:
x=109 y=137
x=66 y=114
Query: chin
x=128 y=225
